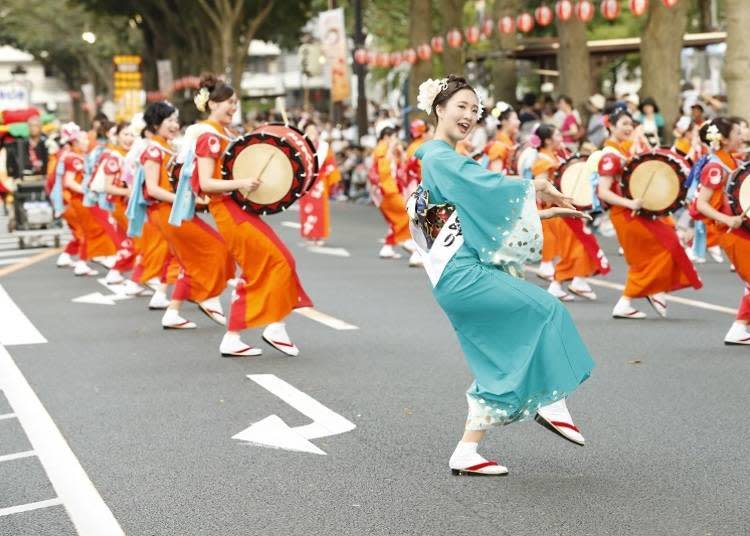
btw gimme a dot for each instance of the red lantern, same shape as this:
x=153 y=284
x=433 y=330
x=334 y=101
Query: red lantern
x=472 y=35
x=670 y=3
x=543 y=15
x=410 y=56
x=454 y=39
x=372 y=58
x=395 y=59
x=506 y=25
x=564 y=10
x=437 y=44
x=360 y=56
x=584 y=11
x=424 y=52
x=610 y=9
x=488 y=27
x=638 y=7
x=525 y=22
x=384 y=59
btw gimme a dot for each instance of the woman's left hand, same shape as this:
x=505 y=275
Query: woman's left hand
x=552 y=196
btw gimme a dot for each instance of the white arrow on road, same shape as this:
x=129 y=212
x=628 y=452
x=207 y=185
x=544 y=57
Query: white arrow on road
x=273 y=432
x=97 y=298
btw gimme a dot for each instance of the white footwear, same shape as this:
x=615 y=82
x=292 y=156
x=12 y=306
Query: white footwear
x=716 y=254
x=131 y=288
x=64 y=260
x=623 y=309
x=556 y=418
x=546 y=270
x=154 y=283
x=213 y=310
x=387 y=252
x=410 y=246
x=659 y=303
x=114 y=277
x=173 y=320
x=275 y=334
x=107 y=262
x=466 y=461
x=580 y=287
x=415 y=260
x=620 y=251
x=83 y=269
x=738 y=335
x=159 y=300
x=232 y=346
x=555 y=288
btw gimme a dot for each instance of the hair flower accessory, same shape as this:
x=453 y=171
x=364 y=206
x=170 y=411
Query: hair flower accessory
x=500 y=108
x=201 y=99
x=428 y=92
x=714 y=136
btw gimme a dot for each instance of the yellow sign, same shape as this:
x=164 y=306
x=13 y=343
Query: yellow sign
x=128 y=95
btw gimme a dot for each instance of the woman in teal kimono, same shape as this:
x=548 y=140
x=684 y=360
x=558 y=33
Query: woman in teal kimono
x=476 y=229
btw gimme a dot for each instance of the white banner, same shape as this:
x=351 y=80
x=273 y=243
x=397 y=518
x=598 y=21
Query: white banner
x=14 y=95
x=333 y=39
x=164 y=72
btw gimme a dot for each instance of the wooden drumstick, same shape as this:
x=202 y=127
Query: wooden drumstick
x=744 y=216
x=645 y=190
x=262 y=170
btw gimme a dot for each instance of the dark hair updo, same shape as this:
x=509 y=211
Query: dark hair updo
x=218 y=90
x=545 y=132
x=156 y=113
x=723 y=124
x=618 y=114
x=454 y=85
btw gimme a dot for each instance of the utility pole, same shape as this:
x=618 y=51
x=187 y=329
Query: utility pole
x=360 y=71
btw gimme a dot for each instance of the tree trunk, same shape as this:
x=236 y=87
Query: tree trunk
x=737 y=59
x=453 y=58
x=420 y=31
x=504 y=69
x=661 y=44
x=573 y=61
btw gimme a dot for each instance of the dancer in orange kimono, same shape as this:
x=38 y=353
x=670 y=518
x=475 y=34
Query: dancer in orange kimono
x=576 y=246
x=95 y=242
x=60 y=197
x=724 y=136
x=386 y=196
x=269 y=288
x=410 y=172
x=657 y=263
x=193 y=241
x=502 y=150
x=314 y=212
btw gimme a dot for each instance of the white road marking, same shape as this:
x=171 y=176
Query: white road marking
x=676 y=299
x=17 y=456
x=275 y=433
x=83 y=503
x=291 y=224
x=15 y=328
x=6 y=262
x=6 y=416
x=338 y=252
x=20 y=252
x=30 y=506
x=327 y=320
x=96 y=298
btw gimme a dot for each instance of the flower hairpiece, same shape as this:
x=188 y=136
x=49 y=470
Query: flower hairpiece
x=500 y=108
x=714 y=136
x=201 y=99
x=428 y=92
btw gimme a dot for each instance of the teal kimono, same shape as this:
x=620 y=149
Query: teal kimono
x=476 y=229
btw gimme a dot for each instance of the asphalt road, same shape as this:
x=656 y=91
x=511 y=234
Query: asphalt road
x=150 y=414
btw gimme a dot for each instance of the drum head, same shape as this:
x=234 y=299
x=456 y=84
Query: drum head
x=657 y=179
x=271 y=162
x=738 y=190
x=574 y=182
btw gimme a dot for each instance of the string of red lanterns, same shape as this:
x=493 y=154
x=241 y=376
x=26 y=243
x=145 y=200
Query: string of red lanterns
x=564 y=10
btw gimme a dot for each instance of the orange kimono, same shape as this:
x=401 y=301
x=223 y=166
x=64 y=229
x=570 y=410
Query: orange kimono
x=736 y=244
x=269 y=287
x=313 y=206
x=191 y=243
x=572 y=241
x=93 y=237
x=74 y=245
x=392 y=206
x=656 y=260
x=502 y=154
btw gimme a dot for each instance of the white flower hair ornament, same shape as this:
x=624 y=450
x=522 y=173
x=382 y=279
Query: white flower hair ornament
x=201 y=99
x=428 y=92
x=714 y=137
x=500 y=108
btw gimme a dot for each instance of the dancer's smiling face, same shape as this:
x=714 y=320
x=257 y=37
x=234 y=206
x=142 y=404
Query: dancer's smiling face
x=458 y=115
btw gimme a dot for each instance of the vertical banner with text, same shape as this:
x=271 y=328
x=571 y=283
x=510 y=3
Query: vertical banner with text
x=333 y=39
